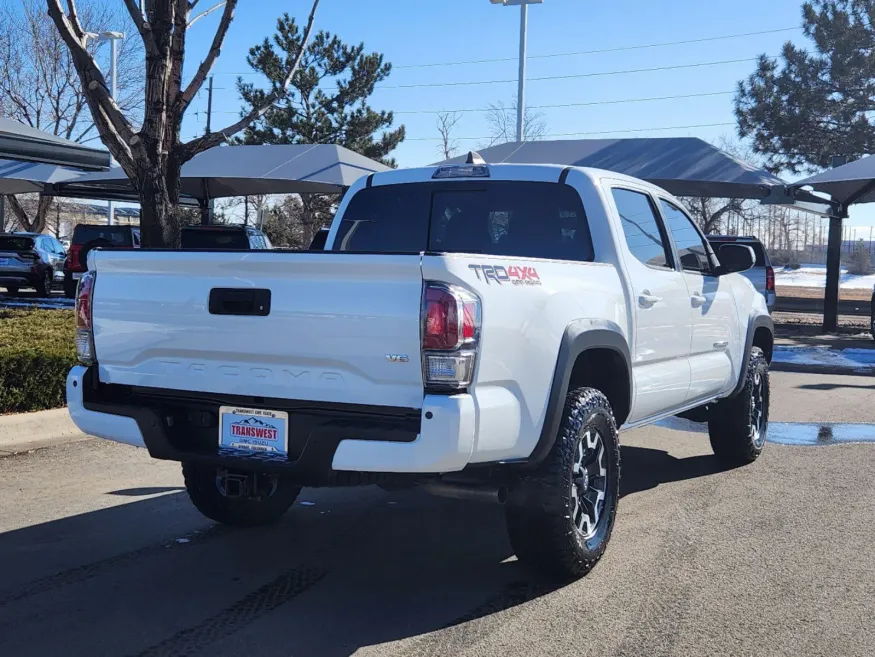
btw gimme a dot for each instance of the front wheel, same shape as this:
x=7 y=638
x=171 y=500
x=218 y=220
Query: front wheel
x=563 y=513
x=738 y=426
x=242 y=499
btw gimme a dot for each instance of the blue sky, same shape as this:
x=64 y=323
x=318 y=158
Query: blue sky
x=425 y=32
x=415 y=32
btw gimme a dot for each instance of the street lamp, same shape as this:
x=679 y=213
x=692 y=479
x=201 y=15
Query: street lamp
x=521 y=89
x=112 y=37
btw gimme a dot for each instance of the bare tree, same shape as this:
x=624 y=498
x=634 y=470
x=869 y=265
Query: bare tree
x=153 y=155
x=710 y=213
x=502 y=120
x=39 y=86
x=446 y=124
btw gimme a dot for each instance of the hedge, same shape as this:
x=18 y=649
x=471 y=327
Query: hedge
x=37 y=351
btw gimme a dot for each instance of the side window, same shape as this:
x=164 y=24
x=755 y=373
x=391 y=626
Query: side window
x=691 y=247
x=136 y=238
x=644 y=234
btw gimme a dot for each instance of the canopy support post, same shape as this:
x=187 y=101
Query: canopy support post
x=206 y=206
x=833 y=270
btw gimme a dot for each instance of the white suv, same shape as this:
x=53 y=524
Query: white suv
x=478 y=330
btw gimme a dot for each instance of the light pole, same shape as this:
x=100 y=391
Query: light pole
x=112 y=37
x=521 y=89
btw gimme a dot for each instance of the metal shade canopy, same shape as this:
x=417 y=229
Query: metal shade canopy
x=23 y=177
x=21 y=142
x=850 y=183
x=244 y=171
x=683 y=166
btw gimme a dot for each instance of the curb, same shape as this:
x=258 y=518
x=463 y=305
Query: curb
x=23 y=432
x=817 y=369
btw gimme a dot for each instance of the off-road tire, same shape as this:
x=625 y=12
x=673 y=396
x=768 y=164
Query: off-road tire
x=203 y=490
x=43 y=286
x=736 y=437
x=540 y=514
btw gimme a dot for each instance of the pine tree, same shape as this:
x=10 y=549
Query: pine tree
x=327 y=103
x=806 y=107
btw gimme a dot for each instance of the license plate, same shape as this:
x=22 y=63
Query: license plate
x=77 y=275
x=254 y=430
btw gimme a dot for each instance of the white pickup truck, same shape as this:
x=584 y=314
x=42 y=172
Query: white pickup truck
x=477 y=330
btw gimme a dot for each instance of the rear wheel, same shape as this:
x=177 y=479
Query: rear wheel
x=238 y=498
x=70 y=288
x=561 y=520
x=43 y=286
x=738 y=426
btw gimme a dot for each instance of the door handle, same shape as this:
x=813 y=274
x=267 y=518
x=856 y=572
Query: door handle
x=698 y=300
x=646 y=300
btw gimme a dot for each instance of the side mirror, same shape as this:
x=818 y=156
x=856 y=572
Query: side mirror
x=735 y=258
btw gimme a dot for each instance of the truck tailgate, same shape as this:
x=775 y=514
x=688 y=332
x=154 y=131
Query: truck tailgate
x=333 y=320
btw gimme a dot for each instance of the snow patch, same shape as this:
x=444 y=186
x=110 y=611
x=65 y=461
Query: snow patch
x=815 y=276
x=851 y=359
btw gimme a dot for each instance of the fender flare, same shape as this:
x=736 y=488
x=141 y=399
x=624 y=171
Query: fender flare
x=579 y=336
x=758 y=321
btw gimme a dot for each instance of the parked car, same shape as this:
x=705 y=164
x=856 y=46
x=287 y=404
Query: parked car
x=224 y=238
x=478 y=330
x=762 y=274
x=91 y=236
x=31 y=260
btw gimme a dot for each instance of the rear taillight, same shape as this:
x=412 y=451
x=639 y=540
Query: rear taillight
x=84 y=327
x=450 y=336
x=770 y=279
x=72 y=263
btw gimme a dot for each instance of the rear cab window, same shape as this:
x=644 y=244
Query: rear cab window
x=509 y=218
x=116 y=235
x=210 y=239
x=14 y=243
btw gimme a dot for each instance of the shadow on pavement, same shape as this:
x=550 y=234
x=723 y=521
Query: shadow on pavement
x=363 y=568
x=644 y=468
x=354 y=568
x=146 y=490
x=833 y=386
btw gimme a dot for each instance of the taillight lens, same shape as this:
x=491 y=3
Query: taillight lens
x=84 y=326
x=72 y=263
x=770 y=279
x=450 y=336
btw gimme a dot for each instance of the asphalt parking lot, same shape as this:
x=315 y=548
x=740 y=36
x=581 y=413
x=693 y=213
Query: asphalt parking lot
x=102 y=554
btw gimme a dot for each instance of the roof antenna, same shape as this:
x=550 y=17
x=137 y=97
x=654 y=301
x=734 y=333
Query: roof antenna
x=474 y=158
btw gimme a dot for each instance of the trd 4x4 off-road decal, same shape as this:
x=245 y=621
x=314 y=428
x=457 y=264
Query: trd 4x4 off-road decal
x=513 y=274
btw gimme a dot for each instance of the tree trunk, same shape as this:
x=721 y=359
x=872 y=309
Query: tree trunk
x=28 y=225
x=159 y=197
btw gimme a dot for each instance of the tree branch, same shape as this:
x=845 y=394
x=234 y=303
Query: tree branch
x=144 y=27
x=117 y=133
x=18 y=211
x=206 y=142
x=204 y=69
x=74 y=19
x=205 y=13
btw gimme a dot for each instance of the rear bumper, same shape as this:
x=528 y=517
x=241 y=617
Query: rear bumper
x=18 y=278
x=323 y=438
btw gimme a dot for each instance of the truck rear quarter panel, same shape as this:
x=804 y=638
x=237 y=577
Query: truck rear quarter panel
x=523 y=322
